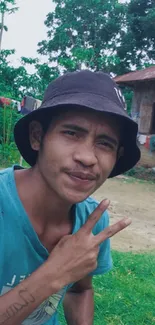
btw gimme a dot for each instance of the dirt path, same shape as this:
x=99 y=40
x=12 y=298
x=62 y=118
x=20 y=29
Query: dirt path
x=136 y=200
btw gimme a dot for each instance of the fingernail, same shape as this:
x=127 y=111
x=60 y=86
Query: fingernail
x=105 y=202
x=128 y=221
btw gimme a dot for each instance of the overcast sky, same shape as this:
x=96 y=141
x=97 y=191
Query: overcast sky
x=26 y=27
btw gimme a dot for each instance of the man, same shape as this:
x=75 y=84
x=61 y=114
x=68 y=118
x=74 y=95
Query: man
x=54 y=237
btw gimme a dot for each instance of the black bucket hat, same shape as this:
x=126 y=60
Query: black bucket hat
x=94 y=90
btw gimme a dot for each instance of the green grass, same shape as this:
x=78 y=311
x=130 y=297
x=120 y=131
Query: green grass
x=126 y=295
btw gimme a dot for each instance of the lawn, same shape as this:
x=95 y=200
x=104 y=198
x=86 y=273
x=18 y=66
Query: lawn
x=126 y=295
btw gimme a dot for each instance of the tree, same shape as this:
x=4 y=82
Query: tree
x=17 y=82
x=137 y=46
x=11 y=78
x=6 y=6
x=107 y=35
x=36 y=83
x=84 y=33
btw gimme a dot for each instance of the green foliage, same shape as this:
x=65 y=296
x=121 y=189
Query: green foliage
x=8 y=152
x=141 y=172
x=10 y=77
x=9 y=155
x=128 y=94
x=34 y=84
x=131 y=172
x=17 y=82
x=125 y=295
x=138 y=38
x=84 y=33
x=101 y=35
x=8 y=6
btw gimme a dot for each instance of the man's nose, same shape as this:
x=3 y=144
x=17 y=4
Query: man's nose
x=85 y=154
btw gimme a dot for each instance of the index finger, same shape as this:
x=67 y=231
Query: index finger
x=95 y=216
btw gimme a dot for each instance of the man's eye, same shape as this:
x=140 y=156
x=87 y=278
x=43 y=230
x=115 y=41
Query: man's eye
x=106 y=144
x=71 y=133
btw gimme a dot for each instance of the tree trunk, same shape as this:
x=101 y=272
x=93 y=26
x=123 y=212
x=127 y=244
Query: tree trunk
x=1 y=29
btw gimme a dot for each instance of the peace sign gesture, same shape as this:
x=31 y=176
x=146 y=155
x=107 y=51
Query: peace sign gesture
x=75 y=255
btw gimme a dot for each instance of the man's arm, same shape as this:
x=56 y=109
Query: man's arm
x=79 y=303
x=20 y=302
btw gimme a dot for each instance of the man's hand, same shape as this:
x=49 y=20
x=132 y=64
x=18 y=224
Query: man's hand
x=75 y=256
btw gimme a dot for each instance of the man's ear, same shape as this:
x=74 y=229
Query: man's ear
x=36 y=134
x=120 y=153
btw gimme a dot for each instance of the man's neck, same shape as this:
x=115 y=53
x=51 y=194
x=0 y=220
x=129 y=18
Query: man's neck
x=41 y=203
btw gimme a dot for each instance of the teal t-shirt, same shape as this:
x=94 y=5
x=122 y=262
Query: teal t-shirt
x=22 y=252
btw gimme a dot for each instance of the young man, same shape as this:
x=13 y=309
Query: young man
x=54 y=238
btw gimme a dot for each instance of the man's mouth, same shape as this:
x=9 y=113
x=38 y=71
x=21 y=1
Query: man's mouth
x=83 y=176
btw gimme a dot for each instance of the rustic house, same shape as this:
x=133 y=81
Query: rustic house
x=142 y=83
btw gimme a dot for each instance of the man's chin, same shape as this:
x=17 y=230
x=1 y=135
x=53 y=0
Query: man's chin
x=74 y=197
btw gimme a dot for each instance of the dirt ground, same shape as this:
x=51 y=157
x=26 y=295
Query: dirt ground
x=133 y=199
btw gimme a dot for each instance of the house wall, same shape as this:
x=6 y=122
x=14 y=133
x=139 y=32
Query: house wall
x=142 y=105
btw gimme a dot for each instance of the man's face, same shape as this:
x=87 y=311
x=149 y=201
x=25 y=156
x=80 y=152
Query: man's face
x=78 y=153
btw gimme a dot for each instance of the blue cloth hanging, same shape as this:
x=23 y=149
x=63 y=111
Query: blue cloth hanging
x=152 y=143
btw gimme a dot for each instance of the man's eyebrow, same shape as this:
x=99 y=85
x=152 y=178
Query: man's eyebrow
x=108 y=138
x=75 y=127
x=103 y=136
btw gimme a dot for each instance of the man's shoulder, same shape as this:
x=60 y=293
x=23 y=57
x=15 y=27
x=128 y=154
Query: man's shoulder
x=6 y=182
x=4 y=171
x=5 y=174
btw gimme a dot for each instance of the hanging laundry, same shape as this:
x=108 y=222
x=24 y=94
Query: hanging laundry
x=10 y=102
x=16 y=105
x=147 y=143
x=152 y=143
x=4 y=101
x=29 y=104
x=37 y=103
x=142 y=139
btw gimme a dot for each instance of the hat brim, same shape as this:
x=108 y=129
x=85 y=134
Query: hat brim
x=98 y=103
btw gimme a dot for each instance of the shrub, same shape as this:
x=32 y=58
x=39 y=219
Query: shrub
x=8 y=152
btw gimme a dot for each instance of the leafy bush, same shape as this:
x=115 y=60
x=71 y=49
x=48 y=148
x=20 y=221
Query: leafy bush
x=131 y=172
x=8 y=152
x=140 y=172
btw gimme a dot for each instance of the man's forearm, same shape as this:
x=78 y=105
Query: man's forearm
x=20 y=302
x=79 y=307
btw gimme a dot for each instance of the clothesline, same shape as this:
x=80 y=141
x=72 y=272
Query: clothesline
x=27 y=105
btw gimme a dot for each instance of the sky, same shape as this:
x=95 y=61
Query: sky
x=26 y=27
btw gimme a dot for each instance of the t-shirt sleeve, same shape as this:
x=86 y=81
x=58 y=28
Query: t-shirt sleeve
x=104 y=262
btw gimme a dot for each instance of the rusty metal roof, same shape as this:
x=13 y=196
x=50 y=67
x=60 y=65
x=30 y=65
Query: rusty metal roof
x=138 y=75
